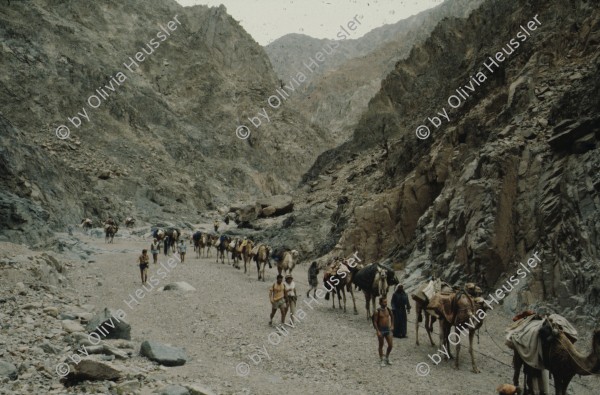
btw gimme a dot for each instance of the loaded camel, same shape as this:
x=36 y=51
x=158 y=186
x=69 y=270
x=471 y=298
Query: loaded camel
x=110 y=231
x=287 y=262
x=338 y=278
x=561 y=358
x=465 y=310
x=262 y=259
x=223 y=246
x=86 y=224
x=236 y=252
x=374 y=280
x=421 y=301
x=129 y=222
x=247 y=253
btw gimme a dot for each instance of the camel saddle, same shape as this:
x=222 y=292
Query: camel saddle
x=427 y=289
x=525 y=336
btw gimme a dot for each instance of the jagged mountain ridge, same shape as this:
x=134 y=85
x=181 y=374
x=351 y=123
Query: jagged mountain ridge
x=343 y=85
x=164 y=140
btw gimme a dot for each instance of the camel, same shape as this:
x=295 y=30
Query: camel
x=262 y=258
x=173 y=235
x=129 y=222
x=338 y=279
x=464 y=310
x=287 y=262
x=196 y=243
x=421 y=303
x=223 y=246
x=203 y=245
x=110 y=231
x=86 y=224
x=562 y=359
x=379 y=288
x=236 y=252
x=247 y=247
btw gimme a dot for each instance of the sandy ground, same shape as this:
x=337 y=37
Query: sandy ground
x=225 y=321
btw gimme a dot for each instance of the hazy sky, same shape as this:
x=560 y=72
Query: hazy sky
x=267 y=20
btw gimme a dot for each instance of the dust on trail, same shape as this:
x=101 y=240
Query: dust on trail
x=225 y=321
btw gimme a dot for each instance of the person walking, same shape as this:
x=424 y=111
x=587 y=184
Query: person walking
x=277 y=298
x=383 y=321
x=400 y=308
x=144 y=261
x=313 y=281
x=154 y=250
x=290 y=295
x=182 y=250
x=166 y=243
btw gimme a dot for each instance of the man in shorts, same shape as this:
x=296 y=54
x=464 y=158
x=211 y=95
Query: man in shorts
x=290 y=295
x=182 y=249
x=383 y=321
x=154 y=250
x=144 y=261
x=277 y=298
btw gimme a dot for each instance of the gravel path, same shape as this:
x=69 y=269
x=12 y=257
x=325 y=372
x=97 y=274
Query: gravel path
x=225 y=321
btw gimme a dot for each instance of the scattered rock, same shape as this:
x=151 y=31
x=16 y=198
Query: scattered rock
x=179 y=286
x=111 y=323
x=173 y=390
x=89 y=369
x=72 y=326
x=163 y=354
x=9 y=370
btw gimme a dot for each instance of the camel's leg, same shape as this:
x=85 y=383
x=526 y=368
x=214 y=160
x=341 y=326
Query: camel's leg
x=517 y=365
x=367 y=306
x=471 y=351
x=419 y=317
x=429 y=320
x=353 y=299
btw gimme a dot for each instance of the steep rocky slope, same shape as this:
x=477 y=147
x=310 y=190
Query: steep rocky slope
x=515 y=170
x=343 y=84
x=161 y=135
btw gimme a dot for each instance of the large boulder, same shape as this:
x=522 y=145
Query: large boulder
x=8 y=370
x=89 y=369
x=282 y=204
x=109 y=319
x=163 y=354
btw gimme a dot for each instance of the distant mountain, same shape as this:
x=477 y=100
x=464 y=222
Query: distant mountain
x=341 y=87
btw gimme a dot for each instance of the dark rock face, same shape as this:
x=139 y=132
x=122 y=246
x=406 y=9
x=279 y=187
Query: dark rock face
x=163 y=354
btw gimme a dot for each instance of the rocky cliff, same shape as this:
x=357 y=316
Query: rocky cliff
x=152 y=93
x=514 y=170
